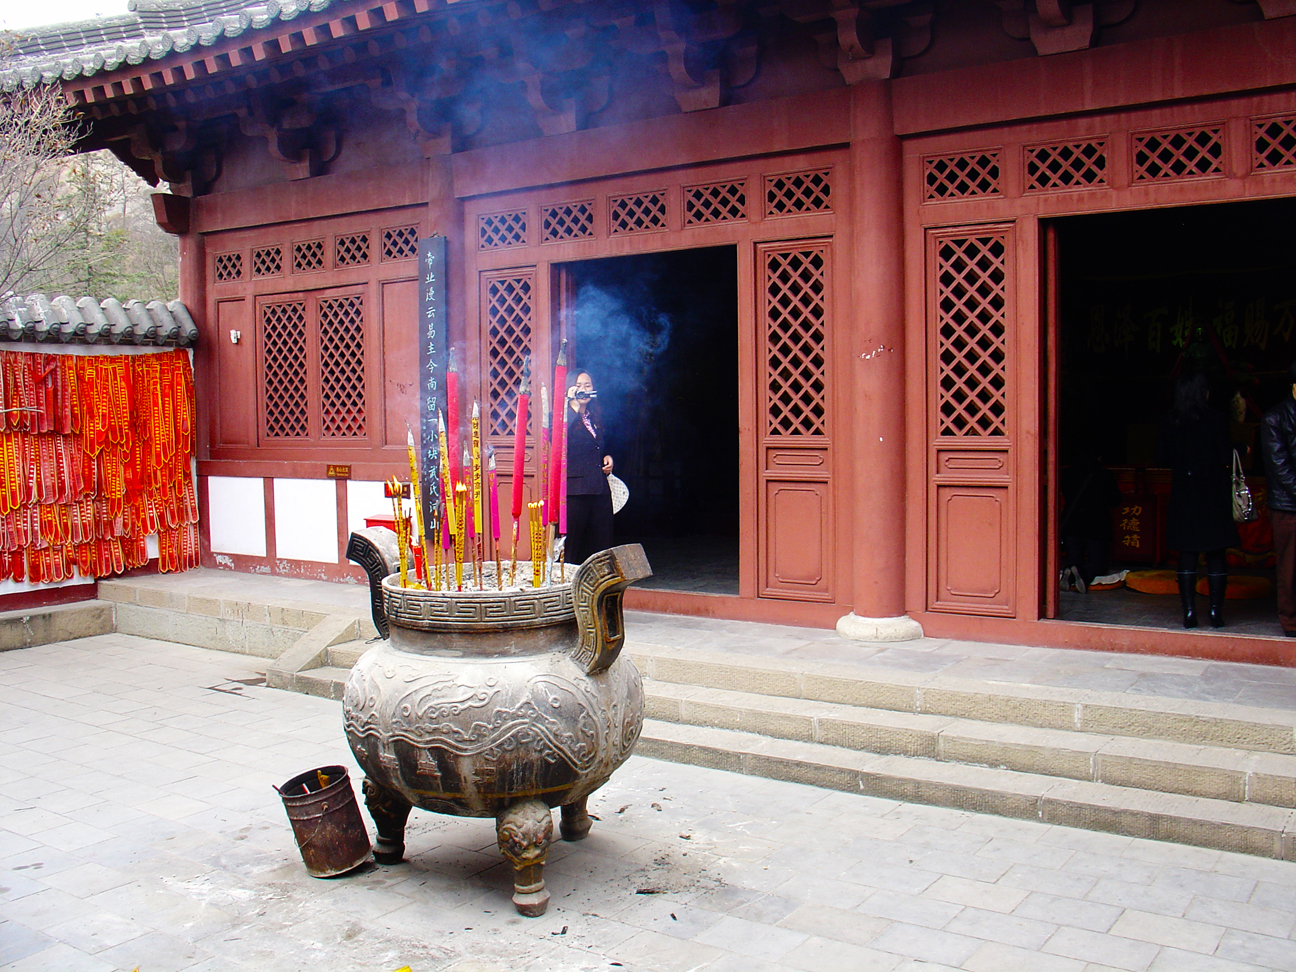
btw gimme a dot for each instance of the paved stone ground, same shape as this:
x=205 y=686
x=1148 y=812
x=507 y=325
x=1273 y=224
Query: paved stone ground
x=138 y=828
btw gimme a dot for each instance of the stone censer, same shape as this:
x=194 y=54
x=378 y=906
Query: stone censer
x=494 y=703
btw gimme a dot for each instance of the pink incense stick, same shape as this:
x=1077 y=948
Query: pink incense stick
x=520 y=439
x=452 y=420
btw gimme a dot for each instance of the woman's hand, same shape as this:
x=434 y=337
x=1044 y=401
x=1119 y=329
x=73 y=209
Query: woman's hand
x=607 y=465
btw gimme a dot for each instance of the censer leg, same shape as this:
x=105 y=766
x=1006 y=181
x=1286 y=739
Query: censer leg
x=523 y=832
x=575 y=823
x=389 y=811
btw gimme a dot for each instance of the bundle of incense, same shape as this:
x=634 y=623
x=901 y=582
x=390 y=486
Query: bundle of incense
x=447 y=495
x=478 y=520
x=519 y=457
x=460 y=507
x=558 y=449
x=417 y=500
x=474 y=533
x=537 y=543
x=493 y=488
x=447 y=543
x=542 y=474
x=452 y=418
x=398 y=523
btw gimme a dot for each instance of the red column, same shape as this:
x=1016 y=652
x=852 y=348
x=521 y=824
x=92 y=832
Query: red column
x=874 y=382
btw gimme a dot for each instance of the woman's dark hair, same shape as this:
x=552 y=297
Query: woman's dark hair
x=1190 y=394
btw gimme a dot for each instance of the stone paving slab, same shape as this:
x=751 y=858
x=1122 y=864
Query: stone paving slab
x=138 y=828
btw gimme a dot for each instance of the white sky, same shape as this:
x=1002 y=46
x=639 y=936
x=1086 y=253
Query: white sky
x=17 y=14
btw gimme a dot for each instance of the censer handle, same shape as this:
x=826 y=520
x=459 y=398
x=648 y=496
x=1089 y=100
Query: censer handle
x=375 y=549
x=596 y=593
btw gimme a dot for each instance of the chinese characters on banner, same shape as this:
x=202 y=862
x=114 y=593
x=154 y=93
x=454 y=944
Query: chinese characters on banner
x=433 y=357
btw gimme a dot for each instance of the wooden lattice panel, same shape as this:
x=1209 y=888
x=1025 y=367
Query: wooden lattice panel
x=308 y=256
x=796 y=312
x=508 y=333
x=717 y=202
x=962 y=176
x=227 y=267
x=498 y=231
x=971 y=342
x=567 y=221
x=638 y=213
x=284 y=379
x=267 y=261
x=792 y=193
x=1274 y=143
x=400 y=243
x=1183 y=153
x=342 y=367
x=351 y=250
x=1066 y=165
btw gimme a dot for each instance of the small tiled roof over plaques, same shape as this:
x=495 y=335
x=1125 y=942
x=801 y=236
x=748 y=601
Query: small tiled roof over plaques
x=37 y=319
x=151 y=30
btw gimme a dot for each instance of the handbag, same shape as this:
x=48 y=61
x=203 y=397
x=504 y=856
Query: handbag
x=1244 y=510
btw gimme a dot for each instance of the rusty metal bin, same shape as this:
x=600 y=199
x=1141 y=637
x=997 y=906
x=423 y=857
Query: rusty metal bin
x=326 y=821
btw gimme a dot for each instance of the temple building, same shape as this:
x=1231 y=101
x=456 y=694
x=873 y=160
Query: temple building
x=861 y=283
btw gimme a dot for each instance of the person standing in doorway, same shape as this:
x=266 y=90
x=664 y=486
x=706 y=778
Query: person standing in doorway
x=1194 y=442
x=1278 y=445
x=589 y=498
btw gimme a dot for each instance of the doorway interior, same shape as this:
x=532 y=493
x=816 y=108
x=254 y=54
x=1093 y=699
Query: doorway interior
x=1143 y=296
x=659 y=334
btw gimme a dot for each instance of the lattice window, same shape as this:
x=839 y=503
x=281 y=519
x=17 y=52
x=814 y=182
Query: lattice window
x=497 y=231
x=284 y=378
x=267 y=261
x=400 y=243
x=351 y=250
x=508 y=330
x=962 y=176
x=796 y=341
x=1188 y=153
x=971 y=328
x=719 y=202
x=342 y=367
x=227 y=267
x=308 y=256
x=1066 y=165
x=792 y=193
x=638 y=213
x=1275 y=143
x=567 y=221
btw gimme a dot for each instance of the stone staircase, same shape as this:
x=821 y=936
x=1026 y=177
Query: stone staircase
x=1209 y=774
x=1212 y=774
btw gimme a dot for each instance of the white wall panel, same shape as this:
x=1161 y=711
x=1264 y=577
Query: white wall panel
x=364 y=499
x=306 y=520
x=236 y=515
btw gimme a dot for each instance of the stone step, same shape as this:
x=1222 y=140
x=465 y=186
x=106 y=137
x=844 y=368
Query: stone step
x=28 y=628
x=1256 y=829
x=1235 y=775
x=1043 y=707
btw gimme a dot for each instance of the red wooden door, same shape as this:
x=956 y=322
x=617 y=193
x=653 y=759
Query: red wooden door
x=795 y=509
x=971 y=508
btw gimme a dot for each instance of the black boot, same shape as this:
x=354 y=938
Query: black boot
x=1188 y=596
x=1218 y=584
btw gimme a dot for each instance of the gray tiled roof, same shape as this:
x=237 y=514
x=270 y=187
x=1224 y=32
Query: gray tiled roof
x=151 y=30
x=37 y=319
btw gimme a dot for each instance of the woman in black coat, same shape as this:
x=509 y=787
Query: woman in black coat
x=589 y=498
x=1194 y=442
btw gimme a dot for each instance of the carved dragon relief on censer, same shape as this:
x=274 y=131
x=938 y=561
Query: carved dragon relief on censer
x=501 y=703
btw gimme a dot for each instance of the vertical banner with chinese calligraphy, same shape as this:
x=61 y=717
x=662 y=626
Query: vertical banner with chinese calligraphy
x=433 y=356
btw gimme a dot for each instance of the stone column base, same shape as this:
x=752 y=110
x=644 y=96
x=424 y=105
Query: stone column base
x=903 y=628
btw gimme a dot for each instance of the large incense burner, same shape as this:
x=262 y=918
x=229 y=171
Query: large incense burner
x=494 y=703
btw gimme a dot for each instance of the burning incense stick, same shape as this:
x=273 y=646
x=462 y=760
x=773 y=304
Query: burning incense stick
x=460 y=507
x=558 y=449
x=398 y=523
x=519 y=456
x=416 y=498
x=493 y=486
x=479 y=521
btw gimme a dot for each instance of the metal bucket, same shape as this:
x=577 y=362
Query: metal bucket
x=326 y=821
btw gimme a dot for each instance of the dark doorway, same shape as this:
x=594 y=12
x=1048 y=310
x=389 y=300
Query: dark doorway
x=1142 y=298
x=659 y=334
